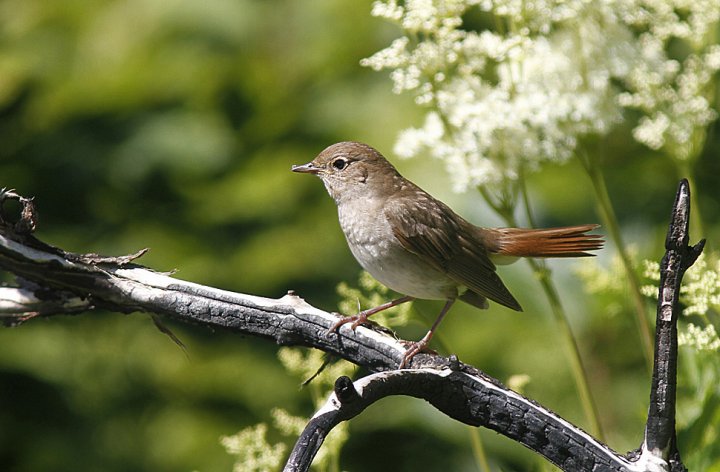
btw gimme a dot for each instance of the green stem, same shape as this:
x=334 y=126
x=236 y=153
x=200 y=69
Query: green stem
x=479 y=450
x=607 y=214
x=334 y=463
x=526 y=199
x=573 y=353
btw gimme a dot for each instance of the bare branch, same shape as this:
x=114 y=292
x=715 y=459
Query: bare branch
x=659 y=444
x=18 y=305
x=53 y=281
x=128 y=287
x=470 y=397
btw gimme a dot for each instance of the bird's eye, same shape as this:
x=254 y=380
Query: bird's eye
x=339 y=163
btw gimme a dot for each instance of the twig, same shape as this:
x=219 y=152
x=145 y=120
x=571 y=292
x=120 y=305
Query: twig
x=659 y=443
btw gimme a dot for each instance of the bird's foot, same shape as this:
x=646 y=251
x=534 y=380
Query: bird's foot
x=356 y=321
x=363 y=316
x=415 y=347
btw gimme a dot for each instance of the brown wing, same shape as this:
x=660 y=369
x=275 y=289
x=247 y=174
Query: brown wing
x=430 y=229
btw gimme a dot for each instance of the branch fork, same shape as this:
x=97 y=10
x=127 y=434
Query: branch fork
x=51 y=281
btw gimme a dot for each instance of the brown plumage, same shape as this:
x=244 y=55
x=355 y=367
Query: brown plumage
x=568 y=241
x=417 y=246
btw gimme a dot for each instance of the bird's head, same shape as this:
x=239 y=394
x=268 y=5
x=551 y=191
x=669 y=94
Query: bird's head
x=352 y=170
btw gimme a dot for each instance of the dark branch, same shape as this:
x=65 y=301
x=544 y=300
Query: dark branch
x=471 y=398
x=53 y=281
x=659 y=440
x=472 y=401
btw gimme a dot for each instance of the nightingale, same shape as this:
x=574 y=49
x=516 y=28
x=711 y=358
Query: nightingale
x=417 y=246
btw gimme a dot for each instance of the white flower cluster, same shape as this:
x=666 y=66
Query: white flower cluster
x=543 y=77
x=671 y=93
x=702 y=339
x=701 y=286
x=252 y=450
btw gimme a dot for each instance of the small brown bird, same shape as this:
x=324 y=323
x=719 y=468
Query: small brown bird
x=417 y=246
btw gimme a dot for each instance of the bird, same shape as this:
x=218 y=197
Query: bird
x=418 y=246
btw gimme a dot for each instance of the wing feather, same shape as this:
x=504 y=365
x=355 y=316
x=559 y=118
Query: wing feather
x=430 y=229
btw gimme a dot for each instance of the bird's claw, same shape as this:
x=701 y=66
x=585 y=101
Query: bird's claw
x=356 y=321
x=413 y=348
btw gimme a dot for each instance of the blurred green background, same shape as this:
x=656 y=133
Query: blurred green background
x=172 y=124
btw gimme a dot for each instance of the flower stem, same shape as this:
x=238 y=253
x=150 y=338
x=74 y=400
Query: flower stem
x=607 y=214
x=479 y=450
x=576 y=365
x=544 y=277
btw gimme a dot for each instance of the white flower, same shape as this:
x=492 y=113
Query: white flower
x=388 y=10
x=702 y=339
x=671 y=93
x=527 y=92
x=701 y=286
x=252 y=450
x=651 y=130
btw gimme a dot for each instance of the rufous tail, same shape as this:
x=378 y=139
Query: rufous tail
x=568 y=241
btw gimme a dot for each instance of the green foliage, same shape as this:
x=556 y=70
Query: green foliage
x=253 y=452
x=370 y=293
x=173 y=125
x=250 y=447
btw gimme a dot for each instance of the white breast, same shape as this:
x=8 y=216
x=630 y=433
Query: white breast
x=375 y=247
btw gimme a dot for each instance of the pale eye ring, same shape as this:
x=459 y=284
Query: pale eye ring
x=340 y=163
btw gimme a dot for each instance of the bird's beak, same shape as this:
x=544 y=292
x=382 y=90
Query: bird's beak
x=308 y=168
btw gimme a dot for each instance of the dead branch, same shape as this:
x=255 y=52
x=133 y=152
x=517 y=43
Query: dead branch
x=51 y=281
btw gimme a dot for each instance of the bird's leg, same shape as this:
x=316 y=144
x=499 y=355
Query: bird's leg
x=362 y=317
x=418 y=346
